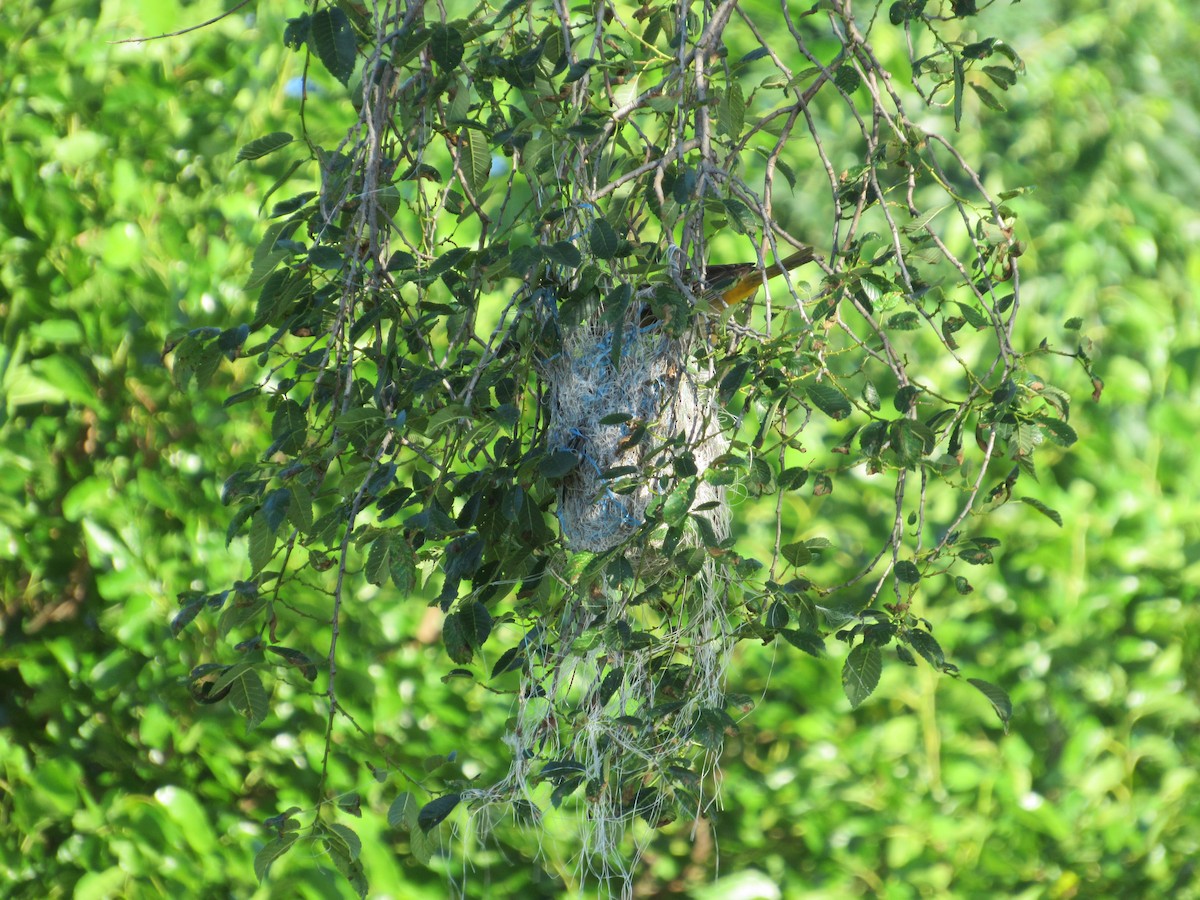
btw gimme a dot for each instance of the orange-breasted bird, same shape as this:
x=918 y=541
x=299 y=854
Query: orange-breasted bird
x=732 y=283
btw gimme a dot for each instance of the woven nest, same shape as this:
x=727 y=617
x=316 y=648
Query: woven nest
x=648 y=383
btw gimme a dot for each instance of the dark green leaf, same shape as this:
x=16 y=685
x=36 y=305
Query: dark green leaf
x=261 y=543
x=446 y=46
x=558 y=463
x=476 y=623
x=603 y=240
x=454 y=637
x=1059 y=431
x=433 y=812
x=289 y=427
x=402 y=813
x=264 y=145
x=564 y=253
x=997 y=697
x=296 y=659
x=271 y=852
x=797 y=554
x=332 y=39
x=829 y=400
x=1046 y=511
x=847 y=79
x=247 y=696
x=808 y=641
x=860 y=673
x=925 y=644
x=907 y=572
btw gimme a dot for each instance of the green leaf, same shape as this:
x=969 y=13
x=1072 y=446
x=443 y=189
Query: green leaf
x=454 y=637
x=403 y=811
x=261 y=544
x=297 y=660
x=477 y=160
x=925 y=644
x=989 y=99
x=829 y=400
x=731 y=113
x=1046 y=511
x=860 y=673
x=959 y=81
x=797 y=554
x=907 y=572
x=350 y=844
x=332 y=39
x=847 y=79
x=808 y=641
x=476 y=623
x=558 y=463
x=446 y=46
x=271 y=852
x=1059 y=431
x=289 y=427
x=432 y=813
x=997 y=697
x=564 y=253
x=247 y=696
x=260 y=147
x=732 y=380
x=603 y=240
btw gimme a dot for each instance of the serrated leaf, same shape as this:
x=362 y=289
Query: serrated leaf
x=602 y=240
x=289 y=427
x=261 y=543
x=976 y=556
x=247 y=696
x=476 y=622
x=847 y=79
x=558 y=464
x=446 y=46
x=997 y=697
x=860 y=673
x=1060 y=432
x=732 y=380
x=925 y=644
x=271 y=852
x=510 y=659
x=477 y=161
x=350 y=844
x=403 y=811
x=434 y=812
x=300 y=510
x=454 y=638
x=731 y=114
x=989 y=99
x=808 y=641
x=1051 y=514
x=260 y=147
x=829 y=400
x=378 y=567
x=297 y=660
x=332 y=38
x=797 y=554
x=564 y=253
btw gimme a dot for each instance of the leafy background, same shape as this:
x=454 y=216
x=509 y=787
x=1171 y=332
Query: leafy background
x=123 y=218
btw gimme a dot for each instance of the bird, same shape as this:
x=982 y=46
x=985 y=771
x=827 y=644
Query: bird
x=727 y=284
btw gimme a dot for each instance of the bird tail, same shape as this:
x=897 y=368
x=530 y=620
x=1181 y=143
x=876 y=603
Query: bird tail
x=748 y=278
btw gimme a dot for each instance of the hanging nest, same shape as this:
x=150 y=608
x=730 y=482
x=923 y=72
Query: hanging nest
x=627 y=399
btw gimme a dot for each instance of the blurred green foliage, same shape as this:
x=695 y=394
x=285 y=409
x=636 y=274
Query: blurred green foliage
x=120 y=223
